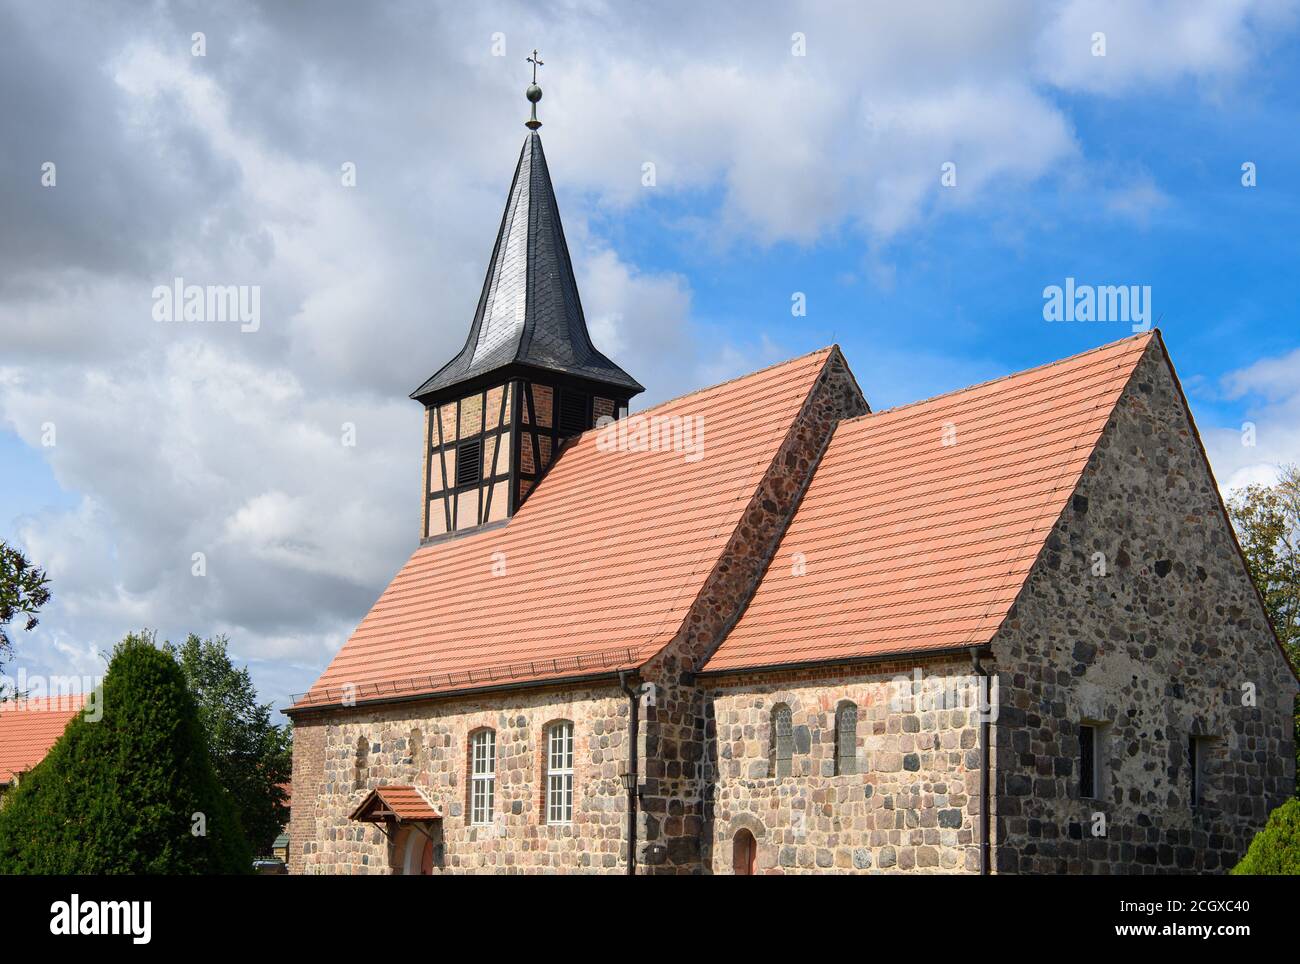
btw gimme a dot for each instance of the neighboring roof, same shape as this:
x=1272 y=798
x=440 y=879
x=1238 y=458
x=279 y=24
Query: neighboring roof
x=529 y=312
x=911 y=545
x=399 y=803
x=29 y=727
x=600 y=564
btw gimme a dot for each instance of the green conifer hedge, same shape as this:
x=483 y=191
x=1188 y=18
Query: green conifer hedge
x=131 y=793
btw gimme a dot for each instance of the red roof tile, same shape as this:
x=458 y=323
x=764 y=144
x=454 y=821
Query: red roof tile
x=28 y=728
x=601 y=563
x=913 y=545
x=405 y=802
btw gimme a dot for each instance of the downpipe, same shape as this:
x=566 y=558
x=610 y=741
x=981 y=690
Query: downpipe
x=985 y=711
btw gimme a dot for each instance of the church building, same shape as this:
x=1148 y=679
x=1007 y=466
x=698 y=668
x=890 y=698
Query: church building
x=762 y=628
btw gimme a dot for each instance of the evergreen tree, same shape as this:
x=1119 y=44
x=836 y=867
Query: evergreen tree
x=133 y=792
x=1275 y=849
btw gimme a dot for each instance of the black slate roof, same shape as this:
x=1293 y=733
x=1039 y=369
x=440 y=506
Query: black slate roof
x=529 y=313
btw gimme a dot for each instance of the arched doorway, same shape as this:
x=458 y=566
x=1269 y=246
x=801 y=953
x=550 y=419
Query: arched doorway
x=744 y=853
x=417 y=853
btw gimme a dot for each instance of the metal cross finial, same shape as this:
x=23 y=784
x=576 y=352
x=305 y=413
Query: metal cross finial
x=533 y=93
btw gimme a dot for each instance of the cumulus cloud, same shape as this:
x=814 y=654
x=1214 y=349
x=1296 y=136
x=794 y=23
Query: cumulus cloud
x=226 y=169
x=1156 y=43
x=1270 y=437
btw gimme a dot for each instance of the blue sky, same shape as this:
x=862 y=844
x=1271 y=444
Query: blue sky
x=777 y=173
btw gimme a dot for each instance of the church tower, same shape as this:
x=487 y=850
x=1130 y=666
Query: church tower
x=528 y=377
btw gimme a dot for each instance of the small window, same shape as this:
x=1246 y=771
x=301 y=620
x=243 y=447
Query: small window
x=1198 y=758
x=559 y=773
x=361 y=764
x=782 y=741
x=483 y=776
x=469 y=462
x=573 y=413
x=1089 y=761
x=846 y=738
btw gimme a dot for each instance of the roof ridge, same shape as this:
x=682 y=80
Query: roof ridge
x=737 y=378
x=574 y=440
x=1154 y=332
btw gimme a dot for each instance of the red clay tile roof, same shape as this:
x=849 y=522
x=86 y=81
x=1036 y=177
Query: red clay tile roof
x=405 y=803
x=28 y=728
x=601 y=563
x=913 y=545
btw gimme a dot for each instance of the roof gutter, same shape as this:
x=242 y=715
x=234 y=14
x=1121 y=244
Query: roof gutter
x=842 y=661
x=612 y=676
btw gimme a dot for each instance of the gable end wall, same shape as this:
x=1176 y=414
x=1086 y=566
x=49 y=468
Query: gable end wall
x=1156 y=649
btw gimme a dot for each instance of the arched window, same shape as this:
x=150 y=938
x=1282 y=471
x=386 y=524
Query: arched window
x=846 y=738
x=361 y=764
x=782 y=749
x=744 y=853
x=559 y=772
x=483 y=776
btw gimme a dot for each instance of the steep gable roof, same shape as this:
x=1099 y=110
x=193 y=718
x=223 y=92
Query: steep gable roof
x=28 y=728
x=908 y=544
x=598 y=568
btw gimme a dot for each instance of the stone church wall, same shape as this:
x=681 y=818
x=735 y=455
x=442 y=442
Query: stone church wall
x=1166 y=642
x=427 y=745
x=912 y=805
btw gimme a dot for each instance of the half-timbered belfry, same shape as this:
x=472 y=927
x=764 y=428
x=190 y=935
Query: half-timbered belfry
x=528 y=377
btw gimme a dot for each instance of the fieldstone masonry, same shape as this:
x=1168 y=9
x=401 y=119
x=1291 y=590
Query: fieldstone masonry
x=913 y=803
x=673 y=749
x=425 y=745
x=1140 y=617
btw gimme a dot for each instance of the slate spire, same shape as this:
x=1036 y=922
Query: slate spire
x=529 y=319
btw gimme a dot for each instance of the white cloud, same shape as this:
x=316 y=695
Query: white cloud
x=225 y=170
x=1156 y=43
x=1271 y=390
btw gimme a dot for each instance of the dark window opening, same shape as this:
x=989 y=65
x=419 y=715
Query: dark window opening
x=573 y=413
x=469 y=462
x=1198 y=757
x=1087 y=761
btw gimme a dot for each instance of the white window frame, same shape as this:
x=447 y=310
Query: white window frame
x=559 y=773
x=483 y=777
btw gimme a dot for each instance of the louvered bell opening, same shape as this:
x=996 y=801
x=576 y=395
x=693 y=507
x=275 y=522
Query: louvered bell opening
x=573 y=413
x=469 y=462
